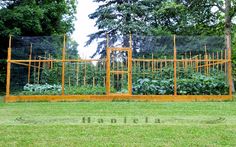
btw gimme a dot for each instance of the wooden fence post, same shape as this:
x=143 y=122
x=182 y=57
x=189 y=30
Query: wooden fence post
x=108 y=67
x=175 y=70
x=130 y=66
x=63 y=66
x=8 y=67
x=29 y=66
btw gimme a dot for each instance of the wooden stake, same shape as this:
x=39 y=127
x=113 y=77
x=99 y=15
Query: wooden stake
x=200 y=69
x=186 y=63
x=63 y=66
x=130 y=70
x=196 y=63
x=30 y=56
x=175 y=71
x=213 y=60
x=108 y=71
x=209 y=64
x=34 y=70
x=39 y=65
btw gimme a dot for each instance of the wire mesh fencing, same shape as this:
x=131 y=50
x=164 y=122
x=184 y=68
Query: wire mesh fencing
x=131 y=64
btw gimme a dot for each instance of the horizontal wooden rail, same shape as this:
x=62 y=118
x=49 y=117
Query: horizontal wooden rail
x=25 y=64
x=119 y=49
x=74 y=60
x=119 y=72
x=158 y=98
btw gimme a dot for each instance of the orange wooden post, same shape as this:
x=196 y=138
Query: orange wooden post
x=229 y=66
x=130 y=67
x=175 y=71
x=8 y=67
x=200 y=58
x=51 y=63
x=196 y=60
x=63 y=66
x=29 y=66
x=122 y=75
x=186 y=63
x=45 y=58
x=206 y=62
x=213 y=61
x=34 y=70
x=209 y=63
x=39 y=67
x=108 y=72
x=117 y=74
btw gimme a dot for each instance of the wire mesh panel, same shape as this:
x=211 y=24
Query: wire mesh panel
x=152 y=71
x=34 y=69
x=85 y=77
x=201 y=66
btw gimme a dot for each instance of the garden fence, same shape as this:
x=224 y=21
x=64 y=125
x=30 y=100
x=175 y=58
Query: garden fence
x=129 y=67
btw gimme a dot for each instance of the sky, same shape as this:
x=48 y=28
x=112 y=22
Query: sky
x=85 y=26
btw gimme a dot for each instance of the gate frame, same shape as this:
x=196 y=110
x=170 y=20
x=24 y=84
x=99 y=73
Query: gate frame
x=108 y=68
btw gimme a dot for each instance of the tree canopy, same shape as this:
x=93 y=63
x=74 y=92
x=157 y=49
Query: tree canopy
x=34 y=18
x=158 y=17
x=37 y=17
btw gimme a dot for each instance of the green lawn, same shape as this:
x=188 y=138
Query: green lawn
x=59 y=124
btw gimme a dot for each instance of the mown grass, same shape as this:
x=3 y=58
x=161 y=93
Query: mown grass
x=58 y=124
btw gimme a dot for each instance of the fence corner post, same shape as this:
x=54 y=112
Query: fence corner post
x=8 y=78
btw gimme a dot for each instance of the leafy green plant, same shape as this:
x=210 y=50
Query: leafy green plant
x=197 y=84
x=41 y=89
